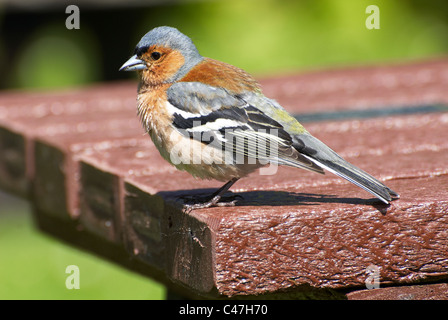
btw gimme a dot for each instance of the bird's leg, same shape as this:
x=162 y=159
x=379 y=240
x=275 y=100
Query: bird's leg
x=212 y=200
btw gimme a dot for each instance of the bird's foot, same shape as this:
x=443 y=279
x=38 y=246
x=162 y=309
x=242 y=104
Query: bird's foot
x=200 y=202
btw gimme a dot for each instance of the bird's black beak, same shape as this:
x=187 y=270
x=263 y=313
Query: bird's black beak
x=133 y=64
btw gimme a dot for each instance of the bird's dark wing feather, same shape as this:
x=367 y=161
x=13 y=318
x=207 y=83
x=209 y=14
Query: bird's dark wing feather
x=213 y=115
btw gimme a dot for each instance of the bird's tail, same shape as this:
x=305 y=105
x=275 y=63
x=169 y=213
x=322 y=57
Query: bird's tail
x=323 y=156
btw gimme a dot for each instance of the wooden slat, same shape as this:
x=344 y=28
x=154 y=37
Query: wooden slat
x=438 y=291
x=24 y=118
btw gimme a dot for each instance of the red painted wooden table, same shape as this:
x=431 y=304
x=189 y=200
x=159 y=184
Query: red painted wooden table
x=96 y=181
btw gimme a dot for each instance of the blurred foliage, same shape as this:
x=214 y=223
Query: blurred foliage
x=265 y=37
x=54 y=57
x=288 y=36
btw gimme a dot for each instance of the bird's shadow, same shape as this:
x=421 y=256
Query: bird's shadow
x=275 y=198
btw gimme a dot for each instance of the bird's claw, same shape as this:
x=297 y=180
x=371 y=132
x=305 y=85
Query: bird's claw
x=198 y=202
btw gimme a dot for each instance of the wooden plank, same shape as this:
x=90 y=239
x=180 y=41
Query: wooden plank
x=289 y=196
x=297 y=228
x=437 y=291
x=56 y=164
x=364 y=87
x=13 y=162
x=26 y=117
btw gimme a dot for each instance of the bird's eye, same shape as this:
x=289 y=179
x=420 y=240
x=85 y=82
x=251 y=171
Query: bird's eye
x=156 y=55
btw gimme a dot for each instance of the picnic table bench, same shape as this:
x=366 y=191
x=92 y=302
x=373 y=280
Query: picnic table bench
x=96 y=181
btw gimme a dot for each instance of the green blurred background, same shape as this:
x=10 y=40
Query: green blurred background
x=265 y=37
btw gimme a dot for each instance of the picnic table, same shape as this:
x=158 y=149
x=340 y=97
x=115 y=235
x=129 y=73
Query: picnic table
x=96 y=181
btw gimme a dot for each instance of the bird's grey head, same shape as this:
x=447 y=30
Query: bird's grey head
x=170 y=38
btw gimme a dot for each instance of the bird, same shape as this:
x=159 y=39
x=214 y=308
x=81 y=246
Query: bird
x=211 y=119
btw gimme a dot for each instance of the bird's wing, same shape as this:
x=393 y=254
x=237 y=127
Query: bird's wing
x=316 y=151
x=225 y=120
x=249 y=113
x=319 y=153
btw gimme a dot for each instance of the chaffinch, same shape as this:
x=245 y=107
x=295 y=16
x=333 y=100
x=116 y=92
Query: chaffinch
x=212 y=120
